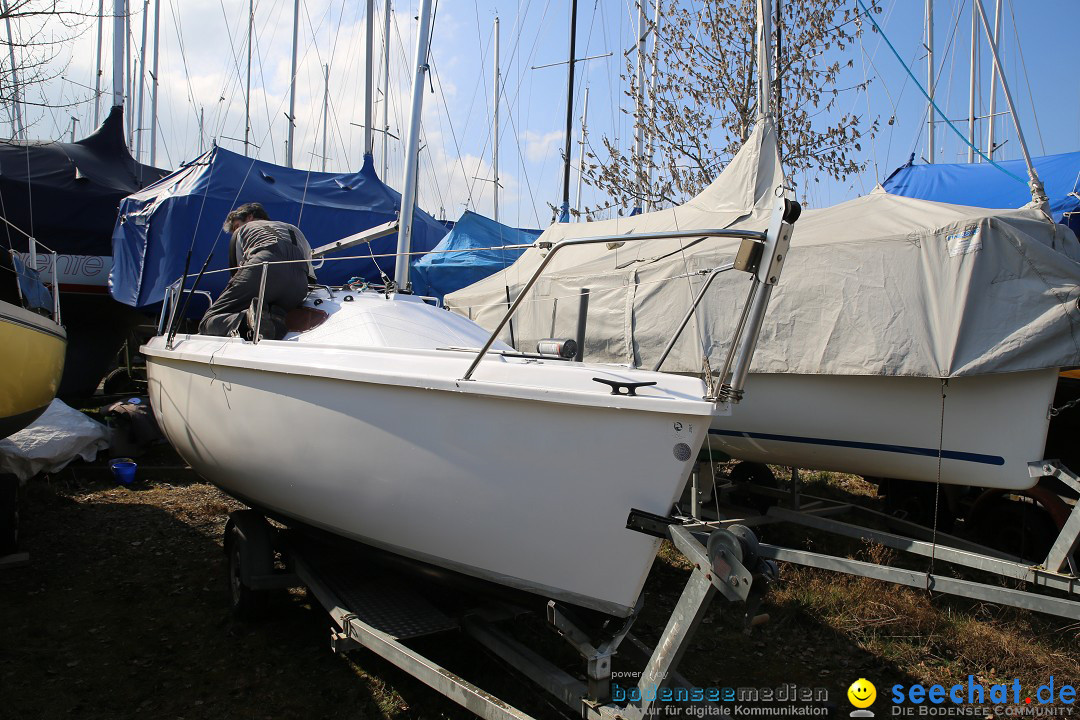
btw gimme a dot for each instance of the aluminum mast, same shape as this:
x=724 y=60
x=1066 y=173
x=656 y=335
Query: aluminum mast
x=154 y=87
x=993 y=86
x=495 y=126
x=119 y=36
x=292 y=85
x=412 y=149
x=97 y=63
x=1038 y=194
x=930 y=80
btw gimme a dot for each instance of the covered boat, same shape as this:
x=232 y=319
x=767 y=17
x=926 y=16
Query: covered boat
x=907 y=329
x=159 y=226
x=475 y=248
x=65 y=195
x=986 y=186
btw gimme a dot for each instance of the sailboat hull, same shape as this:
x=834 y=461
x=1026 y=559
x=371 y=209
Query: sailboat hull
x=987 y=427
x=32 y=356
x=514 y=481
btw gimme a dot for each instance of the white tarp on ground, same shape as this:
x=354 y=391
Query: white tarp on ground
x=59 y=436
x=880 y=285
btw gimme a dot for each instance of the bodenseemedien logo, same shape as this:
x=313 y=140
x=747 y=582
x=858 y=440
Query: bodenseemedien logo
x=862 y=695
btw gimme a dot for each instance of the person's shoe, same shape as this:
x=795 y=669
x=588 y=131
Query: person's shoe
x=249 y=327
x=272 y=326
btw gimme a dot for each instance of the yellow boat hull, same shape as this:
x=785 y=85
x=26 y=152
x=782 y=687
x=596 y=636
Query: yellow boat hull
x=31 y=362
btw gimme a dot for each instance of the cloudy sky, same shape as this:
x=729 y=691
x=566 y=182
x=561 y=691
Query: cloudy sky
x=203 y=64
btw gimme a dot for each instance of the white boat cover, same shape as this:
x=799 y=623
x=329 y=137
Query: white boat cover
x=879 y=285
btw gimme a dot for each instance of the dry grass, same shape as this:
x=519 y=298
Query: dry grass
x=123 y=612
x=938 y=639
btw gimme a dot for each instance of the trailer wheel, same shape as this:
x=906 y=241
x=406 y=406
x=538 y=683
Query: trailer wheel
x=917 y=502
x=250 y=549
x=1024 y=524
x=751 y=473
x=9 y=514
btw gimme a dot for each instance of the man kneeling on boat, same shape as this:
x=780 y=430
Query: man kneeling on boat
x=257 y=239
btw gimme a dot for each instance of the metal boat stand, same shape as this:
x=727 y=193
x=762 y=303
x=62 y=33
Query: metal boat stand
x=383 y=617
x=1058 y=572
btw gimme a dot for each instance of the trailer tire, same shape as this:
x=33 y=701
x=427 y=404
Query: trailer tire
x=1024 y=523
x=752 y=473
x=250 y=550
x=9 y=514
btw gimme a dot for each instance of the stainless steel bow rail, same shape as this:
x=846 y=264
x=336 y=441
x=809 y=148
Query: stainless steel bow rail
x=762 y=254
x=383 y=615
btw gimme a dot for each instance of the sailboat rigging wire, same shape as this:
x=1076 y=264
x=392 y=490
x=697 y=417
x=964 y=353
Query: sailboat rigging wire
x=866 y=93
x=1027 y=80
x=935 y=105
x=937 y=79
x=179 y=31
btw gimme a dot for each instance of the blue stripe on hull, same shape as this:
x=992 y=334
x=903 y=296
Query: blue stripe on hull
x=878 y=447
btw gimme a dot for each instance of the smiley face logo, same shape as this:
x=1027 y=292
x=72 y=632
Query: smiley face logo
x=862 y=693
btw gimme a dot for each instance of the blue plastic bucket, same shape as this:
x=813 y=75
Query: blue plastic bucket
x=123 y=469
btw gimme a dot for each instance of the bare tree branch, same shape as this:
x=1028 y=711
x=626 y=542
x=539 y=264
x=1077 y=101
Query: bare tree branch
x=706 y=99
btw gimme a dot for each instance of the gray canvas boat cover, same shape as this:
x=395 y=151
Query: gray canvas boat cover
x=879 y=285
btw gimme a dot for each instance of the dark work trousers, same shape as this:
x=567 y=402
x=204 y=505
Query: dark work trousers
x=286 y=287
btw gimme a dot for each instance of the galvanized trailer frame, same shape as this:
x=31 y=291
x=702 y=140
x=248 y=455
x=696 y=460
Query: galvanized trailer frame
x=1057 y=573
x=718 y=568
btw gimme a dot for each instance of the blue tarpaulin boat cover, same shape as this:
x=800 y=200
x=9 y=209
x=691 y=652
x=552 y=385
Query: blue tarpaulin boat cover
x=476 y=248
x=156 y=226
x=983 y=185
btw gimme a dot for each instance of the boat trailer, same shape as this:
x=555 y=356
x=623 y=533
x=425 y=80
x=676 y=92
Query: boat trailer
x=1058 y=573
x=383 y=615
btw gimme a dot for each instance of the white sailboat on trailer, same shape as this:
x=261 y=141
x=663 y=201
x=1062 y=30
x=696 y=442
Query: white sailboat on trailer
x=408 y=428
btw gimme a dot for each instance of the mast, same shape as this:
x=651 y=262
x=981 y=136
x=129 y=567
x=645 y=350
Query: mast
x=325 y=110
x=292 y=85
x=247 y=91
x=154 y=87
x=930 y=80
x=386 y=88
x=17 y=129
x=779 y=85
x=764 y=61
x=495 y=124
x=73 y=121
x=639 y=113
x=1038 y=194
x=119 y=37
x=97 y=63
x=201 y=111
x=369 y=78
x=142 y=85
x=412 y=149
x=993 y=86
x=564 y=210
x=581 y=152
x=652 y=100
x=971 y=82
x=129 y=78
